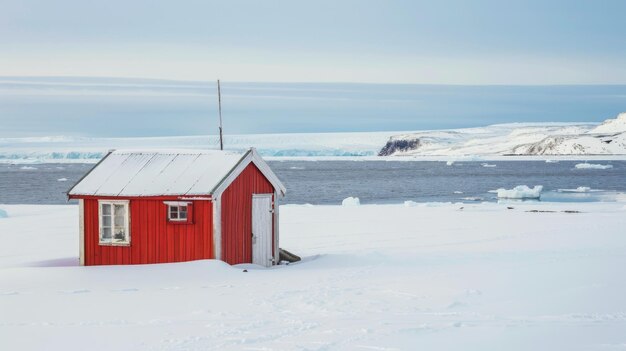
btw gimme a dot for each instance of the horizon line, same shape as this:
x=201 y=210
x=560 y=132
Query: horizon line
x=204 y=81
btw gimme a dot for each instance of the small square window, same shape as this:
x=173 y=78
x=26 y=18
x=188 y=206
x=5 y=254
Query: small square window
x=178 y=212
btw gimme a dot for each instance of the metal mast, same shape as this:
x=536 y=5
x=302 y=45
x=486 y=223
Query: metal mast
x=219 y=103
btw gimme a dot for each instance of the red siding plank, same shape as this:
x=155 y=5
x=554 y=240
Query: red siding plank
x=146 y=233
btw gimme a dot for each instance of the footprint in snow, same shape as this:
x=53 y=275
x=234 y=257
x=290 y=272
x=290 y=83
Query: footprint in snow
x=127 y=290
x=78 y=291
x=216 y=286
x=457 y=304
x=171 y=288
x=197 y=312
x=473 y=292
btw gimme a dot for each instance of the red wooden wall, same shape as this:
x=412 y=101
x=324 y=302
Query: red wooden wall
x=152 y=238
x=237 y=214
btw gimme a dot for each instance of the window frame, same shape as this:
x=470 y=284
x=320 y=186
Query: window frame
x=178 y=205
x=112 y=203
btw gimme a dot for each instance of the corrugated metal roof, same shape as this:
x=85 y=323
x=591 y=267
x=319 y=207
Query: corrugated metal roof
x=158 y=172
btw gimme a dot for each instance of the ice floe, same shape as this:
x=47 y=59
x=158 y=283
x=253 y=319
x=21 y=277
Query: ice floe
x=580 y=189
x=592 y=166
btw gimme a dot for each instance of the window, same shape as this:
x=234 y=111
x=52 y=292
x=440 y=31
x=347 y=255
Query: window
x=114 y=223
x=178 y=212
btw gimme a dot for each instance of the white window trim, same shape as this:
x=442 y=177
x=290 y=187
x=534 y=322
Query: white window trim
x=126 y=221
x=171 y=204
x=177 y=203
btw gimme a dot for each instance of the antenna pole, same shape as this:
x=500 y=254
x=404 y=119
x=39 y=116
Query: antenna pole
x=219 y=103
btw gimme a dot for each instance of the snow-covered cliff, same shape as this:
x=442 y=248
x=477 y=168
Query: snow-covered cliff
x=606 y=138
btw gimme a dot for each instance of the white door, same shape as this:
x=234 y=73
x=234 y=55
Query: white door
x=262 y=229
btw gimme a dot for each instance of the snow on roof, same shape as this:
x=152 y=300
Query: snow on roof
x=158 y=172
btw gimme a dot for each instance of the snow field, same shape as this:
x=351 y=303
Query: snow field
x=432 y=276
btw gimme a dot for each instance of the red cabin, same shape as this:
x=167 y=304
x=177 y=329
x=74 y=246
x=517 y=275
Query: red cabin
x=138 y=207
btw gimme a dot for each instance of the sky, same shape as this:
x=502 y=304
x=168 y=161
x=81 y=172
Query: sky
x=148 y=67
x=415 y=42
x=106 y=107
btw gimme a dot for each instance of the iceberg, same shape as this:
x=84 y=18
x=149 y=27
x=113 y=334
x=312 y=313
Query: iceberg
x=520 y=192
x=351 y=201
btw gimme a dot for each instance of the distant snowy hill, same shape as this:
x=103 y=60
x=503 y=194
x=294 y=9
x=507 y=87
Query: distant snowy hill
x=608 y=138
x=616 y=125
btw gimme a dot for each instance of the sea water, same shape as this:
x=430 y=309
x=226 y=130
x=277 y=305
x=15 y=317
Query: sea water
x=329 y=182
